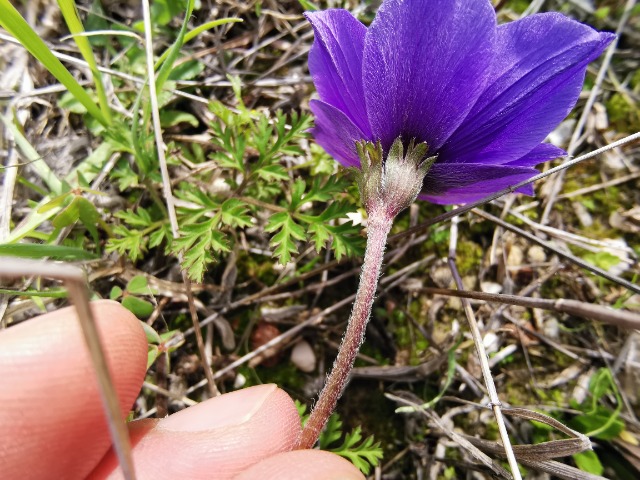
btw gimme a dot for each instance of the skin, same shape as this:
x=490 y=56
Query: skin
x=53 y=425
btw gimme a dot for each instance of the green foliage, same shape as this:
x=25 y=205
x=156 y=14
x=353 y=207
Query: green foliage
x=288 y=232
x=250 y=152
x=163 y=11
x=363 y=453
x=13 y=22
x=238 y=135
x=623 y=112
x=322 y=228
x=35 y=293
x=451 y=370
x=139 y=230
x=37 y=250
x=308 y=6
x=79 y=209
x=598 y=420
x=136 y=287
x=604 y=260
x=602 y=13
x=204 y=229
x=157 y=343
x=518 y=6
x=70 y=14
x=589 y=462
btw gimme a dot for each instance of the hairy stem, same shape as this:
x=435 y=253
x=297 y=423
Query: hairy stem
x=379 y=225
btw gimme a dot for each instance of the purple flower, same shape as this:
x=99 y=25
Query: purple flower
x=482 y=96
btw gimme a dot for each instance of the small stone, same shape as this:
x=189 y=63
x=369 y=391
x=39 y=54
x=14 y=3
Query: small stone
x=551 y=328
x=536 y=254
x=584 y=217
x=441 y=276
x=612 y=162
x=220 y=185
x=491 y=342
x=469 y=282
x=562 y=134
x=581 y=390
x=491 y=287
x=240 y=381
x=263 y=333
x=515 y=257
x=411 y=285
x=601 y=120
x=454 y=303
x=303 y=356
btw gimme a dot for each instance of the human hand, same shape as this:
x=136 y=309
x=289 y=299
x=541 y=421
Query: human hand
x=53 y=425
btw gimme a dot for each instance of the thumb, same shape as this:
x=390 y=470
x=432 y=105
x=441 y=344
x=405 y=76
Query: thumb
x=217 y=438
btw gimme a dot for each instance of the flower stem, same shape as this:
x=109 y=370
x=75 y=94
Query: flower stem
x=379 y=224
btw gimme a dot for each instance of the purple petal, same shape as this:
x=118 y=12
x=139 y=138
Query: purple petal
x=541 y=153
x=336 y=133
x=335 y=63
x=539 y=68
x=424 y=66
x=448 y=183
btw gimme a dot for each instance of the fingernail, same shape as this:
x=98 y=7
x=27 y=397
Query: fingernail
x=227 y=410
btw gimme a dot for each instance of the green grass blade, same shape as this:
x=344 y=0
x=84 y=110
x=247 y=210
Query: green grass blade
x=197 y=31
x=57 y=293
x=208 y=26
x=70 y=14
x=11 y=21
x=88 y=168
x=174 y=50
x=37 y=164
x=39 y=250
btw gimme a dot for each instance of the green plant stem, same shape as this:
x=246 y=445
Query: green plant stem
x=379 y=226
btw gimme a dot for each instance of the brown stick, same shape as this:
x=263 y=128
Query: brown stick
x=601 y=313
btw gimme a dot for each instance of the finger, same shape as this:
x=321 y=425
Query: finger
x=302 y=465
x=217 y=439
x=52 y=418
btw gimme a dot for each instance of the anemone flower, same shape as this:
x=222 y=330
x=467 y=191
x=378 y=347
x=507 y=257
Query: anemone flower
x=482 y=96
x=436 y=88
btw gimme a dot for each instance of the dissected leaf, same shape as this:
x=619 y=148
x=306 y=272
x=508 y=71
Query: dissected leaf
x=128 y=242
x=234 y=213
x=197 y=243
x=331 y=433
x=139 y=218
x=364 y=454
x=285 y=240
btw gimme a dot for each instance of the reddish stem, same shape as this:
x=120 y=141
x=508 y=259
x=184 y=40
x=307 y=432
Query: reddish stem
x=378 y=227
